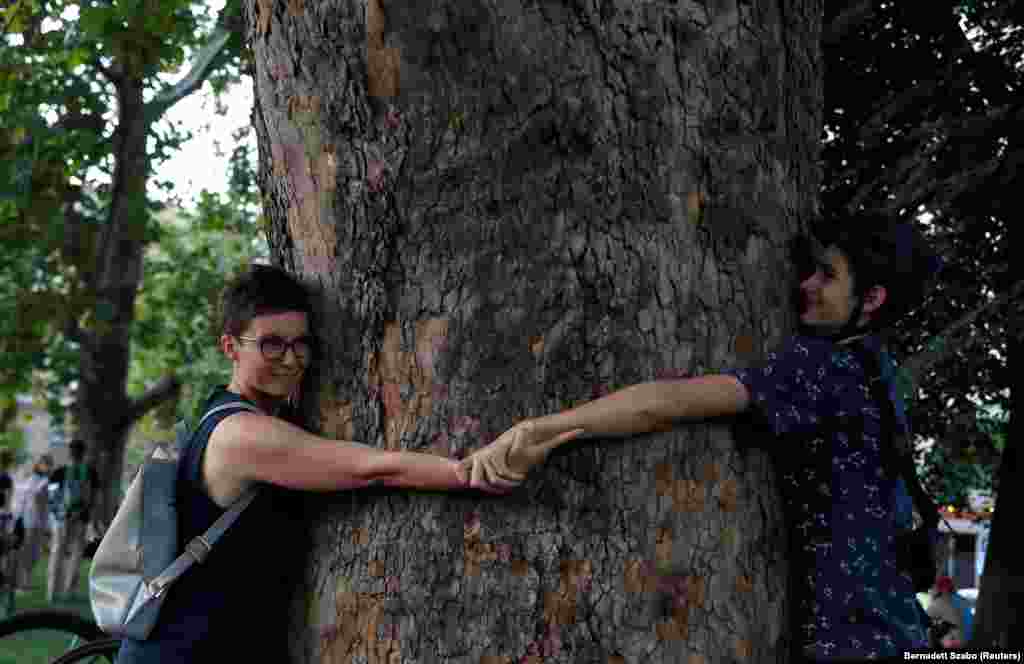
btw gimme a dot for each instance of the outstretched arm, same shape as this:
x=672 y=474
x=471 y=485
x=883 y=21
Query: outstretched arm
x=632 y=410
x=250 y=447
x=649 y=407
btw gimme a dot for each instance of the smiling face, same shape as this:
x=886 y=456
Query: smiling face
x=828 y=298
x=260 y=380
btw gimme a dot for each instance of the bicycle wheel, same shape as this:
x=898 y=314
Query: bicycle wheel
x=103 y=651
x=38 y=637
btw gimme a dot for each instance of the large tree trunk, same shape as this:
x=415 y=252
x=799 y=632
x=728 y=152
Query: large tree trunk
x=508 y=210
x=104 y=413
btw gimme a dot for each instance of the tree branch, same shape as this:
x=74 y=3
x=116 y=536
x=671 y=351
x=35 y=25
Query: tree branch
x=166 y=388
x=212 y=56
x=917 y=364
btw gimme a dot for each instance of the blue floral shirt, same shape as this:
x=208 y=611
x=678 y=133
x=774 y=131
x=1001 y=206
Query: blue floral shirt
x=843 y=510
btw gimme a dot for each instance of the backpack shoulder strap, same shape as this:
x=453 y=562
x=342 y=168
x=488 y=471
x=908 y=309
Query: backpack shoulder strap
x=199 y=547
x=898 y=461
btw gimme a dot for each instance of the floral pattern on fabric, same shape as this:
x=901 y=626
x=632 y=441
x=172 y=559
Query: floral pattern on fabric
x=842 y=508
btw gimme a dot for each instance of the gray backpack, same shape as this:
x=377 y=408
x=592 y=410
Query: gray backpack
x=138 y=557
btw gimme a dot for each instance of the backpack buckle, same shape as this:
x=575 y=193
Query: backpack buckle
x=198 y=548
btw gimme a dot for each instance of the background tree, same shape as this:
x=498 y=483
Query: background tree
x=82 y=96
x=555 y=200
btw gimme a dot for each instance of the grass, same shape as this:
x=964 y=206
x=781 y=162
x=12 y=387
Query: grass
x=43 y=647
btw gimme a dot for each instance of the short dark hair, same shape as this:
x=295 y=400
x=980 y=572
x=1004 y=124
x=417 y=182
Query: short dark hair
x=258 y=291
x=883 y=251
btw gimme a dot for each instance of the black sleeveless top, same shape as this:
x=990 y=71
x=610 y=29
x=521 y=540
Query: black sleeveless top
x=234 y=605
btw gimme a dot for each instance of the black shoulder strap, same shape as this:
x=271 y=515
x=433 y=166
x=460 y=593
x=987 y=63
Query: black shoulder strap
x=897 y=457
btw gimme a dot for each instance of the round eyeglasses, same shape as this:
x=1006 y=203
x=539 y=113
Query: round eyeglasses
x=273 y=347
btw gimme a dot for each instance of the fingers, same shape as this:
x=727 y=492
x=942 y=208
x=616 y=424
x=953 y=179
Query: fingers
x=560 y=439
x=498 y=475
x=462 y=471
x=487 y=475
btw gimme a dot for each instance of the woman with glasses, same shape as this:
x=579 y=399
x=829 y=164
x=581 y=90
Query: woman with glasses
x=210 y=612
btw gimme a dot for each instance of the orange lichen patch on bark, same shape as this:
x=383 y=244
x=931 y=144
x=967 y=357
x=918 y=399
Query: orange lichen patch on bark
x=663 y=479
x=637 y=578
x=393 y=368
x=359 y=617
x=695 y=590
x=317 y=240
x=675 y=628
x=744 y=345
x=695 y=206
x=537 y=346
x=575 y=576
x=744 y=584
x=474 y=550
x=743 y=648
x=559 y=609
x=327 y=170
x=663 y=546
x=711 y=472
x=520 y=567
x=688 y=496
x=616 y=659
x=295 y=7
x=382 y=63
x=376 y=569
x=303 y=104
x=728 y=495
x=495 y=659
x=360 y=536
x=264 y=10
x=696 y=659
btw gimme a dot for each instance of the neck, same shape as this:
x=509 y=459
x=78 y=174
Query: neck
x=267 y=403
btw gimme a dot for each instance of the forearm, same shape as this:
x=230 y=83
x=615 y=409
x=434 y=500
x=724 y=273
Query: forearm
x=269 y=450
x=416 y=471
x=652 y=406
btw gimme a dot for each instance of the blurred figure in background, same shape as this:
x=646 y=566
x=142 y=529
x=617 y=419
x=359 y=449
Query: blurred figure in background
x=6 y=481
x=72 y=491
x=951 y=617
x=28 y=507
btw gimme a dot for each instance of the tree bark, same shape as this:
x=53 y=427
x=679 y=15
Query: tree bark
x=104 y=412
x=506 y=210
x=102 y=409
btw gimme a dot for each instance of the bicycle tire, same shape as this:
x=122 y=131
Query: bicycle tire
x=52 y=619
x=107 y=648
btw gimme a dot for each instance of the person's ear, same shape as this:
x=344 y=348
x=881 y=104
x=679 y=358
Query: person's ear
x=875 y=298
x=229 y=347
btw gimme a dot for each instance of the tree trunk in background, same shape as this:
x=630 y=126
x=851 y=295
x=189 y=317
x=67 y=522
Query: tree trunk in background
x=1001 y=588
x=102 y=410
x=507 y=210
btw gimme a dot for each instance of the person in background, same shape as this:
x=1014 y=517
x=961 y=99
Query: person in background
x=28 y=506
x=72 y=492
x=946 y=606
x=6 y=481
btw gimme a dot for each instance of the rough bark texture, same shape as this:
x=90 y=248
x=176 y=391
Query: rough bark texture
x=508 y=208
x=104 y=413
x=102 y=407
